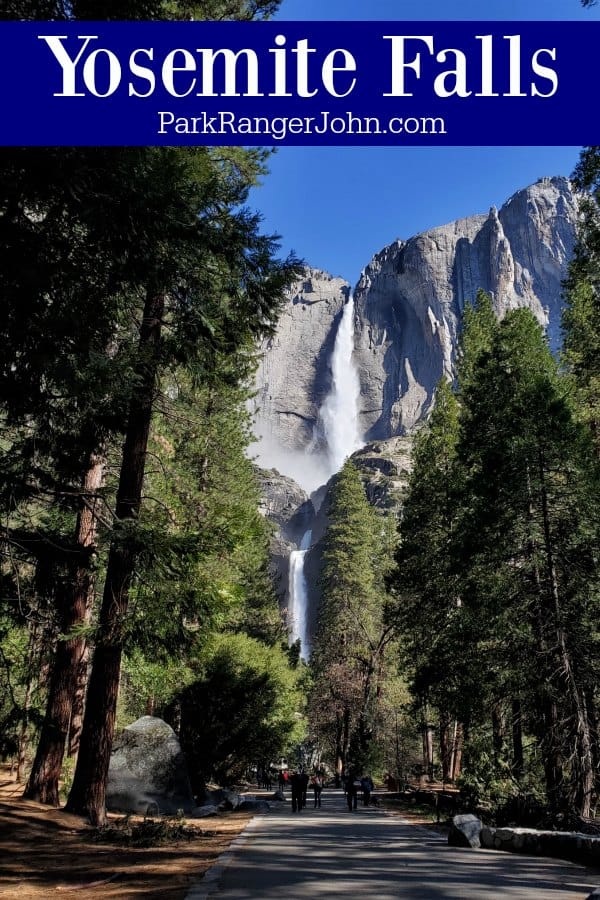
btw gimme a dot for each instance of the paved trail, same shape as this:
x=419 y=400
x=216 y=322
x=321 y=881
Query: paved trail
x=332 y=853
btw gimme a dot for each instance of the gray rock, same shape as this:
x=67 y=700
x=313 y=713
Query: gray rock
x=147 y=772
x=278 y=795
x=487 y=837
x=203 y=812
x=408 y=309
x=386 y=466
x=254 y=806
x=410 y=298
x=224 y=799
x=595 y=895
x=293 y=377
x=465 y=832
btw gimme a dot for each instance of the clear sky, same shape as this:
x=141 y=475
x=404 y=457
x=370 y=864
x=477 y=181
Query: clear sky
x=337 y=206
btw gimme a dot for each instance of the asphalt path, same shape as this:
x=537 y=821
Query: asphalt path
x=332 y=853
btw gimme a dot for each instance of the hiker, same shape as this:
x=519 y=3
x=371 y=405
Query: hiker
x=352 y=790
x=304 y=780
x=297 y=784
x=317 y=786
x=366 y=783
x=282 y=780
x=267 y=784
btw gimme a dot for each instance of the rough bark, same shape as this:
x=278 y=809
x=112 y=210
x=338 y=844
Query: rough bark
x=518 y=763
x=88 y=793
x=70 y=654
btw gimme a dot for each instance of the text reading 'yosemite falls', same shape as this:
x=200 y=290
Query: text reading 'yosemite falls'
x=299 y=83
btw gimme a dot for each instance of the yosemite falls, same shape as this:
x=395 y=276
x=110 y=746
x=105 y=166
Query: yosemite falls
x=339 y=413
x=345 y=370
x=336 y=438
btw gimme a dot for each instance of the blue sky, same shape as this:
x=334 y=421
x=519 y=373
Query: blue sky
x=337 y=206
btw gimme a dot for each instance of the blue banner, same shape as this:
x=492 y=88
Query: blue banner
x=300 y=83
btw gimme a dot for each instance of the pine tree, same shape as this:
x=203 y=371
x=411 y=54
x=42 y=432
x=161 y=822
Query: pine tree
x=124 y=222
x=527 y=541
x=581 y=316
x=351 y=637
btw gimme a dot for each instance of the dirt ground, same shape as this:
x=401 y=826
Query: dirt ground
x=46 y=852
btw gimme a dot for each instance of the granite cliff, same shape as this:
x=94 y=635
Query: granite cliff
x=408 y=307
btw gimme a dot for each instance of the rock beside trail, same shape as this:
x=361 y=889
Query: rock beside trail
x=224 y=799
x=465 y=832
x=203 y=812
x=148 y=771
x=254 y=806
x=573 y=845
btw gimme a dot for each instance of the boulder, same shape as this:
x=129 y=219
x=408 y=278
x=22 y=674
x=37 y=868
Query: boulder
x=202 y=812
x=278 y=795
x=465 y=832
x=224 y=799
x=595 y=895
x=147 y=772
x=254 y=806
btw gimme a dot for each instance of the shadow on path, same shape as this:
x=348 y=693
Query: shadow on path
x=331 y=853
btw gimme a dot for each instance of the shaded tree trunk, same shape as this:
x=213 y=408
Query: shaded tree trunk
x=445 y=746
x=518 y=762
x=583 y=767
x=70 y=660
x=88 y=793
x=497 y=731
x=456 y=758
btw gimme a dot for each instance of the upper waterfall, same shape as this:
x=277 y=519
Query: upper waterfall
x=339 y=413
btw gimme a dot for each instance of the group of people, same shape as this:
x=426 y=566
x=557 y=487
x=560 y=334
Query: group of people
x=299 y=782
x=353 y=784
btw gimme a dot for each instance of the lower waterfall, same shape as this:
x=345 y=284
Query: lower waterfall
x=298 y=596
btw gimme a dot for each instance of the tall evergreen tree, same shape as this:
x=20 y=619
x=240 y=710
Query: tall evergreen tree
x=351 y=637
x=527 y=542
x=136 y=226
x=581 y=316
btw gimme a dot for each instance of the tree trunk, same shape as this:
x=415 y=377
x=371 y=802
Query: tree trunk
x=88 y=793
x=518 y=763
x=583 y=768
x=70 y=655
x=497 y=732
x=445 y=748
x=78 y=707
x=456 y=759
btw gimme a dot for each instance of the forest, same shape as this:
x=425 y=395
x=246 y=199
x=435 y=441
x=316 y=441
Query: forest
x=458 y=640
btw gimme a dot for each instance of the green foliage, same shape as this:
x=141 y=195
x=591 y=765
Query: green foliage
x=497 y=579
x=348 y=662
x=242 y=708
x=581 y=316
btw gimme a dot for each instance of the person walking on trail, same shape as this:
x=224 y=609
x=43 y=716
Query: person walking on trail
x=297 y=784
x=304 y=779
x=317 y=785
x=352 y=786
x=366 y=783
x=281 y=780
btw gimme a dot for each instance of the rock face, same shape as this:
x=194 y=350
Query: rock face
x=147 y=771
x=294 y=377
x=290 y=511
x=385 y=467
x=410 y=298
x=408 y=309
